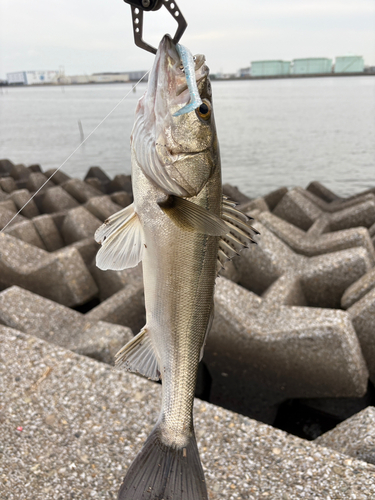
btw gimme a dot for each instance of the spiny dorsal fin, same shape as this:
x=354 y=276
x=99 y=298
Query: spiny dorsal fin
x=192 y=217
x=138 y=356
x=121 y=237
x=239 y=236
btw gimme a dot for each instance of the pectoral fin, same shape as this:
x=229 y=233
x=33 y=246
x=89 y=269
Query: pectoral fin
x=138 y=356
x=121 y=237
x=192 y=217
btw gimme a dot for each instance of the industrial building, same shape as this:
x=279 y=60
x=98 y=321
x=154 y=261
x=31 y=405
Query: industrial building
x=32 y=77
x=270 y=68
x=349 y=64
x=311 y=66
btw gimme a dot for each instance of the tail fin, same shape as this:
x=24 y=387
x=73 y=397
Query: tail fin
x=161 y=472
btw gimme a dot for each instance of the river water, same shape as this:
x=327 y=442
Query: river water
x=272 y=133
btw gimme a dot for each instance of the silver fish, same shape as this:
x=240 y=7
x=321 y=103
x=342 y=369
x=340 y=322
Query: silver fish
x=183 y=230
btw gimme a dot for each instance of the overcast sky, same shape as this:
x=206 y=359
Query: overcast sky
x=88 y=36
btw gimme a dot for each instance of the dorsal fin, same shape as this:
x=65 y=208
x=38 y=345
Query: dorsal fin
x=239 y=236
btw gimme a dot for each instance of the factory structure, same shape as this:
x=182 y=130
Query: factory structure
x=59 y=77
x=306 y=66
x=318 y=66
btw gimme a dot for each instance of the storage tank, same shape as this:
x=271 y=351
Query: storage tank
x=311 y=65
x=349 y=64
x=270 y=68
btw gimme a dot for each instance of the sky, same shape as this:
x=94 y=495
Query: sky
x=92 y=36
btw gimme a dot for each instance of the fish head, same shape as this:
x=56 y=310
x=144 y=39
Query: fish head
x=178 y=153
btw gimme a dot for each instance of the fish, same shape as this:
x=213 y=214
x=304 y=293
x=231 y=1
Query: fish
x=183 y=230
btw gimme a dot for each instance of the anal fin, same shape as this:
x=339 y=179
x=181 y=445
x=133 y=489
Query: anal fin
x=138 y=356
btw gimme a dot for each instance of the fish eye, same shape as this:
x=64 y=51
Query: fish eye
x=204 y=110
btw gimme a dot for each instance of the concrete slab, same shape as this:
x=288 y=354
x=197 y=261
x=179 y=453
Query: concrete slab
x=36 y=181
x=310 y=245
x=8 y=184
x=36 y=315
x=354 y=437
x=59 y=177
x=110 y=282
x=259 y=350
x=48 y=232
x=362 y=314
x=80 y=190
x=297 y=209
x=57 y=199
x=102 y=207
x=22 y=196
x=81 y=423
x=273 y=270
x=26 y=232
x=126 y=307
x=61 y=276
x=122 y=198
x=358 y=289
x=322 y=191
x=78 y=224
x=235 y=194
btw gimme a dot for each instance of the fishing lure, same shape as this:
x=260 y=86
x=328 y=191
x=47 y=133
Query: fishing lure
x=189 y=67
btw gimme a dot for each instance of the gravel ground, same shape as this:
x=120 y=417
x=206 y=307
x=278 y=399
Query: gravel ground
x=70 y=426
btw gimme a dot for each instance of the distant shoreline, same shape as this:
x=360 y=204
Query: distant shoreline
x=213 y=78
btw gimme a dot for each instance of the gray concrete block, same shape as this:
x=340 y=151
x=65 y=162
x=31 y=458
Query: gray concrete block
x=35 y=167
x=337 y=205
x=26 y=232
x=59 y=177
x=36 y=181
x=120 y=182
x=57 y=199
x=361 y=214
x=126 y=307
x=273 y=198
x=310 y=245
x=110 y=282
x=80 y=190
x=297 y=209
x=7 y=184
x=261 y=351
x=362 y=314
x=5 y=167
x=78 y=224
x=235 y=194
x=358 y=289
x=322 y=192
x=36 y=315
x=7 y=212
x=22 y=196
x=102 y=207
x=271 y=268
x=97 y=173
x=122 y=198
x=61 y=276
x=354 y=437
x=87 y=248
x=48 y=232
x=257 y=204
x=83 y=423
x=19 y=172
x=96 y=184
x=3 y=195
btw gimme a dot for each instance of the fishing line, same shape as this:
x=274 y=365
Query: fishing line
x=77 y=148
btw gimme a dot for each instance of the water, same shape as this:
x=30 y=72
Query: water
x=271 y=132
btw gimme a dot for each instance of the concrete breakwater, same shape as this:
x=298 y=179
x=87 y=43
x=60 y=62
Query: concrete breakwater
x=294 y=331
